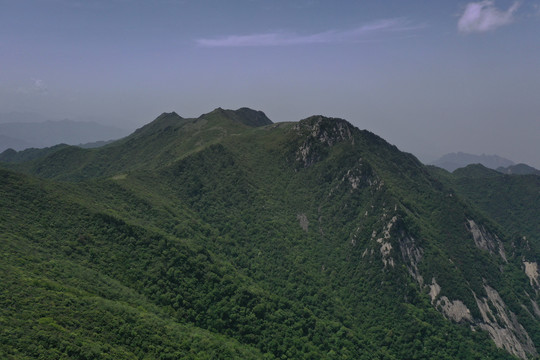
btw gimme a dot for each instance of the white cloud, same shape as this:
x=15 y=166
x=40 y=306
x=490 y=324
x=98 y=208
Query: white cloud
x=332 y=36
x=484 y=16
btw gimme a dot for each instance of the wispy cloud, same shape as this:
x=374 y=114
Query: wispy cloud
x=37 y=87
x=358 y=34
x=484 y=16
x=536 y=9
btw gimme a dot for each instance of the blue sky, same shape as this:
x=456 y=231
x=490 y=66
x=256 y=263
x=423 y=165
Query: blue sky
x=429 y=76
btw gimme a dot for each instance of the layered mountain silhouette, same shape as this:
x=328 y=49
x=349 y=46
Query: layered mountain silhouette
x=519 y=169
x=229 y=236
x=453 y=161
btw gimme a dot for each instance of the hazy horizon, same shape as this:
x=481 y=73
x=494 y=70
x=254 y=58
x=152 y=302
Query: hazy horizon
x=430 y=77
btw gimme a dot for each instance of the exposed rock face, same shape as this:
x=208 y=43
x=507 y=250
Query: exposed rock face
x=304 y=223
x=503 y=326
x=454 y=310
x=434 y=290
x=318 y=134
x=328 y=131
x=361 y=175
x=531 y=269
x=501 y=323
x=496 y=319
x=355 y=176
x=306 y=156
x=320 y=131
x=386 y=246
x=486 y=241
x=411 y=255
x=535 y=307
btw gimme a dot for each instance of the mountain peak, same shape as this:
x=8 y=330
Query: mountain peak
x=162 y=122
x=326 y=129
x=475 y=171
x=167 y=117
x=171 y=114
x=243 y=115
x=320 y=133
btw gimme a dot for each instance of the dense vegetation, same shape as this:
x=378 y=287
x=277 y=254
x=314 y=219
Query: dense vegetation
x=230 y=237
x=513 y=201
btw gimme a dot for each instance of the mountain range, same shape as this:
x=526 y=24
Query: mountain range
x=453 y=161
x=229 y=236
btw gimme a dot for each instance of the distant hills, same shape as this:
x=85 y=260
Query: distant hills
x=512 y=201
x=453 y=161
x=519 y=169
x=23 y=135
x=227 y=236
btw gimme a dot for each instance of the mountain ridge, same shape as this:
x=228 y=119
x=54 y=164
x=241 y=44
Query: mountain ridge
x=345 y=246
x=243 y=115
x=453 y=161
x=150 y=146
x=519 y=169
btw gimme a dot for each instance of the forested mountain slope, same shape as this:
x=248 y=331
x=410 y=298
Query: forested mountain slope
x=228 y=236
x=513 y=201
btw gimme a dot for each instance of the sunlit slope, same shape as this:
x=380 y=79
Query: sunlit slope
x=297 y=240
